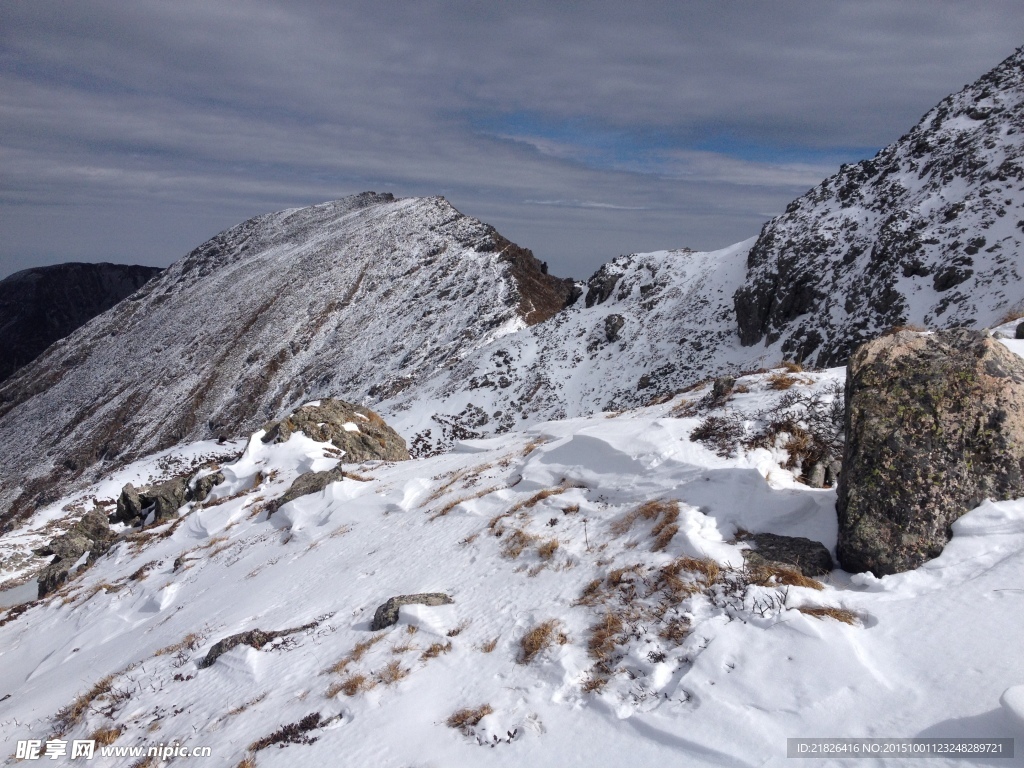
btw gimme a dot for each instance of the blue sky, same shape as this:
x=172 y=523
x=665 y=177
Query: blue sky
x=134 y=132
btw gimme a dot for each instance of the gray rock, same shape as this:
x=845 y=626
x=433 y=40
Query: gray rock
x=1019 y=333
x=387 y=614
x=809 y=557
x=91 y=534
x=165 y=498
x=305 y=484
x=326 y=422
x=721 y=390
x=129 y=504
x=612 y=325
x=254 y=638
x=934 y=426
x=832 y=471
x=816 y=477
x=202 y=487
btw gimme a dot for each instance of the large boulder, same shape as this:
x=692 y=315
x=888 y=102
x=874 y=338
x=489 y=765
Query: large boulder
x=358 y=431
x=809 y=557
x=934 y=426
x=387 y=613
x=165 y=499
x=91 y=535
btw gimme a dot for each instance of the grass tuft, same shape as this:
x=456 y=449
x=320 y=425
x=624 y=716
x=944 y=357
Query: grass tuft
x=466 y=720
x=538 y=639
x=839 y=614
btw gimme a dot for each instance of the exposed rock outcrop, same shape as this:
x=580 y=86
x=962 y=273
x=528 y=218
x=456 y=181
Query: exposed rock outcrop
x=90 y=535
x=809 y=557
x=933 y=216
x=163 y=499
x=934 y=426
x=254 y=638
x=387 y=613
x=356 y=430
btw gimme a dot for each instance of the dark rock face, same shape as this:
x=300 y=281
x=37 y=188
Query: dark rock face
x=41 y=305
x=935 y=215
x=201 y=488
x=612 y=325
x=810 y=558
x=934 y=426
x=358 y=431
x=165 y=499
x=1019 y=333
x=387 y=613
x=305 y=484
x=91 y=534
x=541 y=296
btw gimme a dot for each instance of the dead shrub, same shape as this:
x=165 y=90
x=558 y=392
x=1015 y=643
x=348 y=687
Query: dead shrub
x=839 y=614
x=538 y=639
x=604 y=636
x=547 y=549
x=675 y=631
x=293 y=733
x=770 y=574
x=392 y=673
x=466 y=720
x=514 y=545
x=720 y=433
x=104 y=737
x=435 y=650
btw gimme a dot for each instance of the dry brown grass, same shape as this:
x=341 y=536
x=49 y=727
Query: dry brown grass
x=360 y=478
x=191 y=642
x=247 y=762
x=595 y=683
x=538 y=497
x=649 y=510
x=547 y=549
x=453 y=504
x=393 y=672
x=104 y=737
x=666 y=527
x=534 y=444
x=769 y=574
x=71 y=715
x=466 y=720
x=355 y=654
x=839 y=614
x=604 y=636
x=592 y=593
x=401 y=648
x=435 y=650
x=516 y=542
x=250 y=703
x=488 y=646
x=781 y=381
x=1016 y=313
x=351 y=685
x=707 y=570
x=458 y=629
x=538 y=639
x=675 y=631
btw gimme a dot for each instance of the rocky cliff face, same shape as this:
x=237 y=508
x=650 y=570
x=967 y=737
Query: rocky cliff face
x=41 y=305
x=928 y=232
x=356 y=298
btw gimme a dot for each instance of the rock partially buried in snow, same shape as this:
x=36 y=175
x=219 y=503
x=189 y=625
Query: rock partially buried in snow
x=809 y=557
x=305 y=484
x=165 y=498
x=386 y=614
x=934 y=426
x=332 y=421
x=254 y=638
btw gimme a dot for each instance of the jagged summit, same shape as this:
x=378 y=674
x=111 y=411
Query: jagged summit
x=356 y=298
x=927 y=232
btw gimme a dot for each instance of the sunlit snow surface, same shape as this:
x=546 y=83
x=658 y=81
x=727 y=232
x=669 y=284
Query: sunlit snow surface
x=931 y=655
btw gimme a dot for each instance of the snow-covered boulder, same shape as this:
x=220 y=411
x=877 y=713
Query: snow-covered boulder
x=934 y=426
x=358 y=431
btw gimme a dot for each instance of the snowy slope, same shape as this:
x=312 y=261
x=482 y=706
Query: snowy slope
x=702 y=671
x=356 y=298
x=928 y=232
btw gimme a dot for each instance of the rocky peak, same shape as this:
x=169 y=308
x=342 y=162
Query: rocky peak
x=927 y=232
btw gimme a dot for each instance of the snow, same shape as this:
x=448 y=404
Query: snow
x=930 y=653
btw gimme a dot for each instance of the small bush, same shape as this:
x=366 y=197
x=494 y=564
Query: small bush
x=516 y=543
x=466 y=720
x=720 y=433
x=538 y=639
x=392 y=673
x=293 y=733
x=547 y=549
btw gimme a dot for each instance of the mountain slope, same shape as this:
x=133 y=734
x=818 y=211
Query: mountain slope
x=928 y=232
x=41 y=305
x=361 y=296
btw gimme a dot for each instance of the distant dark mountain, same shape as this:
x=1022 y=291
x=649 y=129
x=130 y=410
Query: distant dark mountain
x=38 y=306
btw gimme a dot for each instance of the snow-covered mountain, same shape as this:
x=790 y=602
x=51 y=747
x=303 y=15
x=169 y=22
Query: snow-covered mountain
x=361 y=296
x=928 y=232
